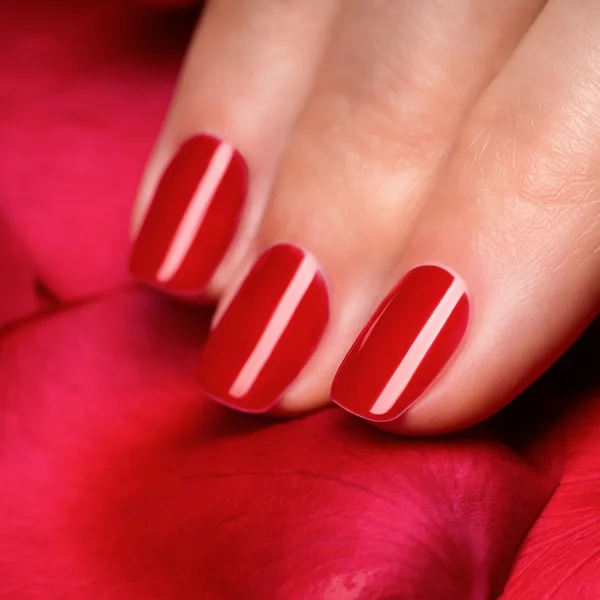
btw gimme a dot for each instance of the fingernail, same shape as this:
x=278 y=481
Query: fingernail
x=193 y=216
x=405 y=345
x=268 y=332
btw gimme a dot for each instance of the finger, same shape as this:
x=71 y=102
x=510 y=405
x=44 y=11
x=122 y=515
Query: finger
x=244 y=80
x=503 y=270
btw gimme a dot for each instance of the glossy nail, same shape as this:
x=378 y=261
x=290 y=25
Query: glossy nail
x=268 y=332
x=405 y=345
x=193 y=216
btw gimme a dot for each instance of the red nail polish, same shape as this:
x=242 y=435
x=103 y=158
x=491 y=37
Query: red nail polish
x=193 y=216
x=405 y=345
x=268 y=332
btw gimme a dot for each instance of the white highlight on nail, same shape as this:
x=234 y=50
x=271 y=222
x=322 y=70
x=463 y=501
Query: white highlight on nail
x=196 y=211
x=280 y=319
x=419 y=348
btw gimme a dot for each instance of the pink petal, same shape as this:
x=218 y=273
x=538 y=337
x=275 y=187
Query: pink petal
x=19 y=297
x=85 y=86
x=117 y=479
x=560 y=557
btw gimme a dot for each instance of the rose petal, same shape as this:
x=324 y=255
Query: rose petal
x=118 y=479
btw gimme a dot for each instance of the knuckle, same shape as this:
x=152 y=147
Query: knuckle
x=546 y=160
x=532 y=181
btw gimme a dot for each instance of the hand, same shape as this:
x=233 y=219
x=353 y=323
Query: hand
x=424 y=172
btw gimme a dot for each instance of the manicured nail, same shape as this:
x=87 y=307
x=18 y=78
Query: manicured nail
x=405 y=345
x=268 y=332
x=193 y=216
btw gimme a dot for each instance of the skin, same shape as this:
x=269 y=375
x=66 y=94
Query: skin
x=386 y=134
